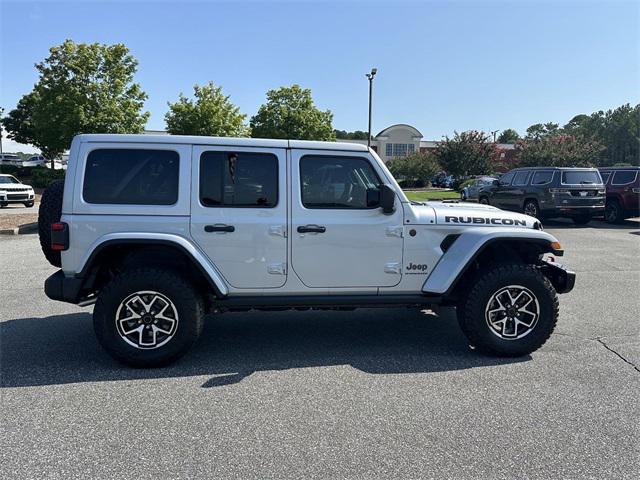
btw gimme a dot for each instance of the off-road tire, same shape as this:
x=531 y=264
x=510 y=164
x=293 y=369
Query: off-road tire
x=531 y=208
x=188 y=301
x=49 y=212
x=471 y=310
x=613 y=212
x=582 y=219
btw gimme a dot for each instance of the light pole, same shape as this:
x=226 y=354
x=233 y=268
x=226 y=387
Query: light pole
x=493 y=132
x=370 y=77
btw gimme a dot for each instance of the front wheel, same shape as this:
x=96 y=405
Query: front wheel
x=484 y=200
x=148 y=317
x=613 y=212
x=463 y=196
x=28 y=204
x=510 y=311
x=531 y=208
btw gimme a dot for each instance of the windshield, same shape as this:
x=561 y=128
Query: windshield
x=581 y=177
x=9 y=179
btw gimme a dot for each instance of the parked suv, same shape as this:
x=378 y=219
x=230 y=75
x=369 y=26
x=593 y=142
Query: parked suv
x=13 y=190
x=472 y=191
x=158 y=230
x=544 y=192
x=623 y=193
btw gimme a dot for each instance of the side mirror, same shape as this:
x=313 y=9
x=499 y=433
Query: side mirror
x=387 y=199
x=496 y=183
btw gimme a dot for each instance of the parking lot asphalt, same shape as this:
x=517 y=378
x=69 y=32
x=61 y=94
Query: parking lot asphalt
x=390 y=393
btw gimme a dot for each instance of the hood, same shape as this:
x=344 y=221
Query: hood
x=479 y=215
x=21 y=187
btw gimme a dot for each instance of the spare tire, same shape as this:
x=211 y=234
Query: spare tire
x=50 y=212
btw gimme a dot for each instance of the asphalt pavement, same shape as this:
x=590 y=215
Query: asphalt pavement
x=391 y=393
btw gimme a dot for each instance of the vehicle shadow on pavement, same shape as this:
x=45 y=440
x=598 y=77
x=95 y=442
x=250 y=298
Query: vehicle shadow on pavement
x=594 y=224
x=62 y=349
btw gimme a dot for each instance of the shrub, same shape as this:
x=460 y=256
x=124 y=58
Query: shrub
x=42 y=177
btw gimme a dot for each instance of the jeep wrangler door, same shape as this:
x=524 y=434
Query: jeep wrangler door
x=340 y=236
x=239 y=212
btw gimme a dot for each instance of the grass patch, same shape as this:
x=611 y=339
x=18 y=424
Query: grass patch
x=422 y=196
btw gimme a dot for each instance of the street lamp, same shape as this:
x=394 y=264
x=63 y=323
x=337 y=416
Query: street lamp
x=370 y=77
x=493 y=132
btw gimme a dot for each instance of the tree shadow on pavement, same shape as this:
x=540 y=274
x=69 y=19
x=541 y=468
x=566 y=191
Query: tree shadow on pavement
x=62 y=349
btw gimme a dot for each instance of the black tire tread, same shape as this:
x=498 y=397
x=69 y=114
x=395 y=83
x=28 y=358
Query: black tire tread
x=473 y=302
x=50 y=212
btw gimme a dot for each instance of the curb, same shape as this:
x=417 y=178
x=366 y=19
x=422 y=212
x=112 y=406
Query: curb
x=21 y=230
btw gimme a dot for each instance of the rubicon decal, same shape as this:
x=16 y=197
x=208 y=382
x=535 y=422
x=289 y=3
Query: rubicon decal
x=486 y=221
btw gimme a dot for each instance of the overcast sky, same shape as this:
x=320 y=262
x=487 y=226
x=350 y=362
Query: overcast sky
x=442 y=66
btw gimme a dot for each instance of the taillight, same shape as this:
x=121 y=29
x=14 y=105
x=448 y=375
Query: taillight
x=59 y=236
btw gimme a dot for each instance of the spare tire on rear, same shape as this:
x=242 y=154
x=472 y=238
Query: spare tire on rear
x=50 y=212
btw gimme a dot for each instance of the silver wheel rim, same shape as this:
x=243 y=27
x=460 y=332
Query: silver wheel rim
x=512 y=312
x=147 y=320
x=531 y=209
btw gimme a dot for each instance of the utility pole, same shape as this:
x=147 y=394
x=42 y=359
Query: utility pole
x=370 y=77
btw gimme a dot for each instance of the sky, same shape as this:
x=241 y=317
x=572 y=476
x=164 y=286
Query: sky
x=442 y=66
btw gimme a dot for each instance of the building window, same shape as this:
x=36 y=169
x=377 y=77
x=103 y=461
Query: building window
x=399 y=149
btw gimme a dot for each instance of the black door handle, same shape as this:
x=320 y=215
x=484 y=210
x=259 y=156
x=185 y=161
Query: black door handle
x=218 y=227
x=311 y=229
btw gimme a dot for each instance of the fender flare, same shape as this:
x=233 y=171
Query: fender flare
x=147 y=238
x=466 y=248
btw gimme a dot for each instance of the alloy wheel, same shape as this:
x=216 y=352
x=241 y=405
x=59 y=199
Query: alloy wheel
x=146 y=320
x=512 y=312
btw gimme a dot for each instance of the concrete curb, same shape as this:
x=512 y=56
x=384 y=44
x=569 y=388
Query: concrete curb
x=21 y=230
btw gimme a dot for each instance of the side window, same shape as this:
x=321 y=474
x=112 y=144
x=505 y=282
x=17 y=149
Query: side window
x=506 y=178
x=131 y=177
x=336 y=182
x=521 y=178
x=243 y=179
x=542 y=177
x=623 y=177
x=605 y=176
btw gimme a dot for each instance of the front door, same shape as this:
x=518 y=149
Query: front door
x=239 y=213
x=339 y=238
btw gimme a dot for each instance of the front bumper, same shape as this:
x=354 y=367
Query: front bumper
x=63 y=288
x=562 y=279
x=8 y=197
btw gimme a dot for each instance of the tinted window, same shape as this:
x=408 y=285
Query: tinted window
x=540 y=178
x=336 y=182
x=623 y=177
x=243 y=179
x=9 y=179
x=521 y=178
x=605 y=176
x=580 y=177
x=506 y=178
x=131 y=177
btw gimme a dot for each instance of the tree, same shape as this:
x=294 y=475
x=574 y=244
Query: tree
x=416 y=168
x=82 y=88
x=212 y=113
x=558 y=150
x=356 y=135
x=290 y=113
x=467 y=153
x=539 y=130
x=508 y=136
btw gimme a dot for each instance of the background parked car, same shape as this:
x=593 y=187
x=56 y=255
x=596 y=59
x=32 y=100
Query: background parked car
x=10 y=159
x=543 y=192
x=623 y=193
x=14 y=191
x=473 y=189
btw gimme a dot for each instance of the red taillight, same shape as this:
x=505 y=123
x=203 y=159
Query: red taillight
x=58 y=227
x=59 y=236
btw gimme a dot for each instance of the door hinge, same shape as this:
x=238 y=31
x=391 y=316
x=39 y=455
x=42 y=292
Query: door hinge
x=392 y=267
x=278 y=230
x=395 y=231
x=277 y=268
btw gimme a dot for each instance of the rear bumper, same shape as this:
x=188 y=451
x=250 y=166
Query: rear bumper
x=573 y=210
x=562 y=279
x=63 y=288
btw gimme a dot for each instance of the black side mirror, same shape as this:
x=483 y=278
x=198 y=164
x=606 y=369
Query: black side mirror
x=496 y=183
x=387 y=199
x=373 y=197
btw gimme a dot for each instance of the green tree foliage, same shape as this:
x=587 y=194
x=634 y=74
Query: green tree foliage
x=540 y=130
x=211 y=113
x=558 y=150
x=82 y=88
x=291 y=114
x=508 y=136
x=415 y=169
x=467 y=153
x=356 y=135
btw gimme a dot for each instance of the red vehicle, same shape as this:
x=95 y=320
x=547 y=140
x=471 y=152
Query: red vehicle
x=623 y=193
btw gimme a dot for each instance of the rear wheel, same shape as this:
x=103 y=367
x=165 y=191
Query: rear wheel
x=531 y=208
x=510 y=311
x=148 y=317
x=49 y=212
x=613 y=212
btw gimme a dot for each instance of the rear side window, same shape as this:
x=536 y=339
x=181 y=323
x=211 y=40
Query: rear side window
x=624 y=177
x=605 y=176
x=131 y=177
x=336 y=182
x=243 y=179
x=543 y=177
x=581 y=177
x=521 y=178
x=506 y=178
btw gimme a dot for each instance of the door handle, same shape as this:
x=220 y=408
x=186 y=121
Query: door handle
x=311 y=229
x=219 y=227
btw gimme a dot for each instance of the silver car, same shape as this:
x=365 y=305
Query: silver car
x=471 y=191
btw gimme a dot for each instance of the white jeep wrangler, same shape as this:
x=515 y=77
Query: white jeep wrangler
x=159 y=230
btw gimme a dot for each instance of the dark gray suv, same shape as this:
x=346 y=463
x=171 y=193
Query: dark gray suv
x=546 y=192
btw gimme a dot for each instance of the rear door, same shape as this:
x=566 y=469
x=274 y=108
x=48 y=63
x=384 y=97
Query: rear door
x=515 y=198
x=239 y=213
x=499 y=196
